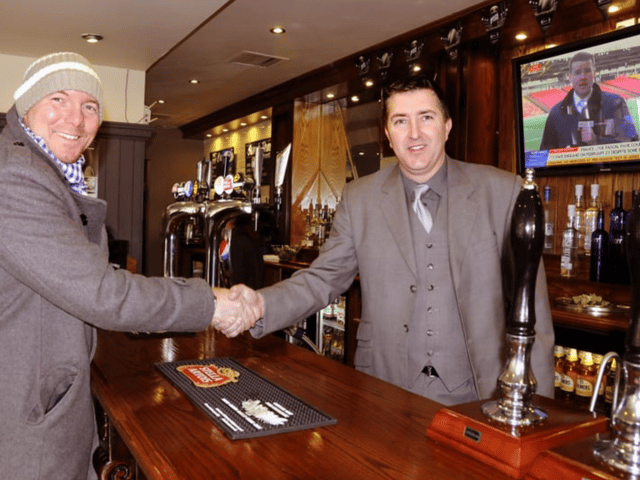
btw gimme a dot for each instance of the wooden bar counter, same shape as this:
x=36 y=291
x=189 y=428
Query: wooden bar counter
x=380 y=430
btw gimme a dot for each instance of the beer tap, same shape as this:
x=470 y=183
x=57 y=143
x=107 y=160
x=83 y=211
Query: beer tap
x=517 y=383
x=622 y=451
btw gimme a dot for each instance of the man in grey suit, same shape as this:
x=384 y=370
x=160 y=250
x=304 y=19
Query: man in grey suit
x=56 y=283
x=433 y=266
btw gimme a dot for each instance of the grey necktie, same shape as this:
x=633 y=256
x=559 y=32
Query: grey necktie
x=421 y=210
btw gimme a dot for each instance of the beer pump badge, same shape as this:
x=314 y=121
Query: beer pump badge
x=207 y=376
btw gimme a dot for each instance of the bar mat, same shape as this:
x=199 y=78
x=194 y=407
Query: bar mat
x=239 y=401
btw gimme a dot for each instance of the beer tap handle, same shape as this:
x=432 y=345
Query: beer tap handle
x=527 y=238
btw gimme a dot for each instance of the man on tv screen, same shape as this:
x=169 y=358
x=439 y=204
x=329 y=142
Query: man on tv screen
x=587 y=115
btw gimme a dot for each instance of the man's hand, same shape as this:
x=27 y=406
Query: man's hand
x=237 y=309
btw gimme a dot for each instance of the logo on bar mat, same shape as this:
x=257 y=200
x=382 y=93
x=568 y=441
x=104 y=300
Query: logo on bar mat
x=209 y=375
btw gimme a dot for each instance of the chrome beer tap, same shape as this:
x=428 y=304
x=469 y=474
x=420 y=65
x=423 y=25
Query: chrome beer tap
x=622 y=451
x=517 y=383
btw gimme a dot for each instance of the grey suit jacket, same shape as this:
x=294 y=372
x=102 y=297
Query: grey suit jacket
x=56 y=286
x=371 y=237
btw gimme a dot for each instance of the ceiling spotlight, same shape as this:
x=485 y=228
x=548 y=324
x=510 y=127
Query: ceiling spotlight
x=92 y=37
x=521 y=36
x=277 y=30
x=194 y=81
x=263 y=117
x=355 y=98
x=417 y=68
x=225 y=130
x=369 y=83
x=330 y=95
x=209 y=135
x=160 y=101
x=243 y=124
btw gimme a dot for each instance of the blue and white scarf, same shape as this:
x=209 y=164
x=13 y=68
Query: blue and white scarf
x=72 y=171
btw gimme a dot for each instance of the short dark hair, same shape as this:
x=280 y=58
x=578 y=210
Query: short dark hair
x=409 y=84
x=581 y=57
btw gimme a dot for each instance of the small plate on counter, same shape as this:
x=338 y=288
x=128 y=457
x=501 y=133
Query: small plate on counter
x=590 y=304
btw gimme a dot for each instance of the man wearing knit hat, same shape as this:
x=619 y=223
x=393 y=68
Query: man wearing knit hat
x=56 y=284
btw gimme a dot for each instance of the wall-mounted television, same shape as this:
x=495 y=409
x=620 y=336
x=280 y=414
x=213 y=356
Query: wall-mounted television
x=577 y=106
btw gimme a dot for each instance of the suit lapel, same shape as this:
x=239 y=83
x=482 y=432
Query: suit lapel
x=393 y=205
x=462 y=211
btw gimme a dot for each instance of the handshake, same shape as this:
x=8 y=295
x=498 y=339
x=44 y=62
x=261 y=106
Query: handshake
x=237 y=309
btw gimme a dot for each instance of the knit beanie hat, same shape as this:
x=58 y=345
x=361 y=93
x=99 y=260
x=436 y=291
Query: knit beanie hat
x=53 y=73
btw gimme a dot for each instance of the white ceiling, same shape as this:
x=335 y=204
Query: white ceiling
x=176 y=40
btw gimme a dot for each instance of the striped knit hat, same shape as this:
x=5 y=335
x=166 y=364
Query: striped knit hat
x=53 y=73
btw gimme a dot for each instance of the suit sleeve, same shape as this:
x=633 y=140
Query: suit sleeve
x=311 y=289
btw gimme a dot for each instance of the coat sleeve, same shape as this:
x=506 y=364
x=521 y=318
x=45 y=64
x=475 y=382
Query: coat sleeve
x=44 y=246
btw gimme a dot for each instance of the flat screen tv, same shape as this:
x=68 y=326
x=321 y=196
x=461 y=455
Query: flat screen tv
x=577 y=106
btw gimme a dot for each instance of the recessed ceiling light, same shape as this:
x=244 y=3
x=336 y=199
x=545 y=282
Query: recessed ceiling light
x=613 y=9
x=277 y=30
x=263 y=117
x=330 y=95
x=160 y=101
x=209 y=135
x=194 y=81
x=355 y=98
x=92 y=37
x=225 y=130
x=521 y=36
x=417 y=68
x=243 y=124
x=369 y=83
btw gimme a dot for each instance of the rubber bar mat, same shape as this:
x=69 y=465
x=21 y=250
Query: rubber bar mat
x=239 y=401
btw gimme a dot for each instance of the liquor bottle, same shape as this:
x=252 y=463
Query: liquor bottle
x=549 y=221
x=585 y=380
x=619 y=270
x=569 y=375
x=308 y=233
x=591 y=218
x=569 y=256
x=558 y=365
x=598 y=271
x=578 y=219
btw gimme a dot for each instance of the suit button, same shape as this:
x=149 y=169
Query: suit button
x=406 y=328
x=430 y=332
x=430 y=353
x=429 y=245
x=430 y=287
x=430 y=266
x=413 y=289
x=430 y=310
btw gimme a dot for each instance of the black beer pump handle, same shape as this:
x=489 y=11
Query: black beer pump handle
x=632 y=347
x=527 y=239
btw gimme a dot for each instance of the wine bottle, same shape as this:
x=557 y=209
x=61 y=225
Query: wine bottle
x=619 y=270
x=616 y=216
x=599 y=251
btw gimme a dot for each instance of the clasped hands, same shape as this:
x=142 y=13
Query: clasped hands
x=237 y=309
